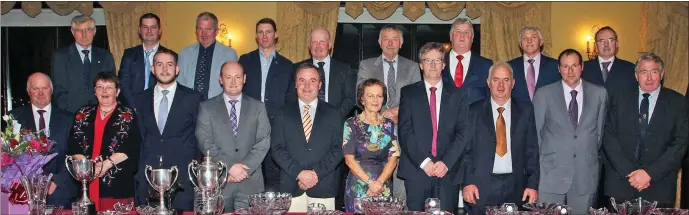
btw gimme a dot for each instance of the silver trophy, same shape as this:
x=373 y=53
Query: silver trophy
x=162 y=181
x=83 y=170
x=211 y=177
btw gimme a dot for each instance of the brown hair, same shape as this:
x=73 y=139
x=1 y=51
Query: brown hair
x=368 y=83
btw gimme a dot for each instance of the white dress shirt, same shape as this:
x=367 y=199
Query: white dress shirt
x=502 y=165
x=580 y=97
x=601 y=60
x=652 y=99
x=237 y=106
x=150 y=57
x=326 y=68
x=158 y=97
x=81 y=54
x=438 y=93
x=536 y=67
x=312 y=109
x=46 y=116
x=386 y=68
x=454 y=61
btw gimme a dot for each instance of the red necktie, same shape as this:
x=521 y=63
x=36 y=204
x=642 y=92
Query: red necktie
x=434 y=121
x=459 y=72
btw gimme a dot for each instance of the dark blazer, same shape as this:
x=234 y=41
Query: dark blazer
x=685 y=174
x=277 y=83
x=323 y=152
x=67 y=74
x=60 y=124
x=665 y=145
x=620 y=78
x=416 y=132
x=547 y=74
x=122 y=126
x=475 y=80
x=480 y=153
x=177 y=143
x=341 y=89
x=132 y=74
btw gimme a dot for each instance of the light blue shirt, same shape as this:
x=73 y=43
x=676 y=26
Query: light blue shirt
x=651 y=100
x=237 y=106
x=265 y=67
x=81 y=54
x=326 y=68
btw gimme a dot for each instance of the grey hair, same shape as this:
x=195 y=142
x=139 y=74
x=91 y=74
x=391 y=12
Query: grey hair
x=28 y=81
x=499 y=64
x=462 y=20
x=207 y=16
x=649 y=56
x=530 y=28
x=391 y=27
x=429 y=47
x=77 y=20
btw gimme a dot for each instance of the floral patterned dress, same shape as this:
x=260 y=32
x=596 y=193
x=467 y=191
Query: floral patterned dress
x=372 y=145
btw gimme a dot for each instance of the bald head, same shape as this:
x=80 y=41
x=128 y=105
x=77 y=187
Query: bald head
x=232 y=79
x=320 y=43
x=40 y=89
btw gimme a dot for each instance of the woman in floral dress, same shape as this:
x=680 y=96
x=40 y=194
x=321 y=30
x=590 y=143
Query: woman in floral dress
x=370 y=147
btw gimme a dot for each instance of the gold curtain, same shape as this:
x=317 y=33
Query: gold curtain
x=500 y=41
x=667 y=33
x=381 y=9
x=296 y=20
x=122 y=22
x=446 y=10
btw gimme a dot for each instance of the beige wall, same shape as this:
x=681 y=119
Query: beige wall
x=572 y=21
x=239 y=17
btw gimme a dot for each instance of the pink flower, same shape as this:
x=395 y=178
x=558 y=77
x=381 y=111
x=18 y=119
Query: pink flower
x=6 y=160
x=35 y=144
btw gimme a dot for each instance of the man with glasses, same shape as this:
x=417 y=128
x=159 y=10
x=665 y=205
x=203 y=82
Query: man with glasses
x=202 y=60
x=607 y=70
x=135 y=70
x=75 y=66
x=431 y=115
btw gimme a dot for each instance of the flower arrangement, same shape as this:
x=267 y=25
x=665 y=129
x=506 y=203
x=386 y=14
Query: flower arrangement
x=24 y=153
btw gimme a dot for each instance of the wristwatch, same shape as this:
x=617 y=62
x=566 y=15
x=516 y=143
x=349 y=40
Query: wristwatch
x=368 y=181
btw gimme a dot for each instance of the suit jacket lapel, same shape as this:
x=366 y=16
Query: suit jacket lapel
x=272 y=69
x=27 y=118
x=515 y=117
x=444 y=122
x=295 y=114
x=564 y=108
x=487 y=118
x=631 y=119
x=598 y=73
x=541 y=74
x=658 y=114
x=245 y=111
x=334 y=83
x=96 y=58
x=378 y=69
x=174 y=108
x=588 y=108
x=150 y=110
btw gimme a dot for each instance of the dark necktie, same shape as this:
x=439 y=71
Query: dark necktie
x=573 y=110
x=41 y=122
x=233 y=118
x=200 y=77
x=321 y=72
x=391 y=83
x=605 y=70
x=643 y=125
x=87 y=69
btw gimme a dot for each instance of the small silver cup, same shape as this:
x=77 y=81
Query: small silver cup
x=162 y=181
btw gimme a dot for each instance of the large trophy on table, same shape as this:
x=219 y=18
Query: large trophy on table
x=84 y=170
x=161 y=182
x=211 y=177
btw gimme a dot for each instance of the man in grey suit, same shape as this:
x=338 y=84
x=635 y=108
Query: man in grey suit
x=201 y=61
x=396 y=72
x=75 y=66
x=569 y=122
x=235 y=129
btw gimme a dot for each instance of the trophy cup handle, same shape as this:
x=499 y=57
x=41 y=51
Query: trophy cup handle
x=174 y=168
x=146 y=171
x=191 y=167
x=68 y=160
x=224 y=174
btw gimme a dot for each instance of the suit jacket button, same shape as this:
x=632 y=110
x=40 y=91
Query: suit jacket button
x=575 y=136
x=161 y=140
x=308 y=149
x=575 y=156
x=236 y=150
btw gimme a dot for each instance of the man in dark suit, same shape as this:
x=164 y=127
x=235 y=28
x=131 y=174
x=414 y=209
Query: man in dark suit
x=339 y=80
x=645 y=138
x=465 y=69
x=431 y=133
x=135 y=70
x=309 y=158
x=502 y=155
x=55 y=123
x=685 y=171
x=75 y=66
x=532 y=70
x=268 y=78
x=607 y=70
x=168 y=113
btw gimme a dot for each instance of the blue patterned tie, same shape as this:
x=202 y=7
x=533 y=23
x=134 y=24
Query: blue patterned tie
x=643 y=126
x=321 y=73
x=163 y=111
x=200 y=77
x=573 y=110
x=233 y=118
x=87 y=69
x=147 y=75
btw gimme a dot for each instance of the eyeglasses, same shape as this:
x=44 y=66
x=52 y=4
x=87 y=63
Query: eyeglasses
x=101 y=88
x=85 y=30
x=205 y=29
x=434 y=61
x=609 y=40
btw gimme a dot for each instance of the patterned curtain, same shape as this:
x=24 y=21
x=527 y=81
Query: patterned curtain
x=666 y=28
x=296 y=20
x=32 y=9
